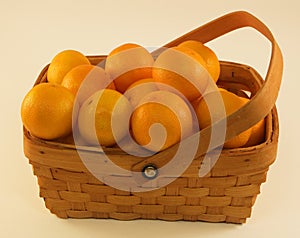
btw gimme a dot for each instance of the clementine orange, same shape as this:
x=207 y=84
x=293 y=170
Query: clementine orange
x=47 y=111
x=209 y=56
x=161 y=120
x=257 y=135
x=181 y=70
x=139 y=89
x=87 y=78
x=231 y=103
x=104 y=118
x=128 y=63
x=62 y=63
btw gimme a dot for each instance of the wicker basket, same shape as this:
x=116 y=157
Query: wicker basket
x=226 y=194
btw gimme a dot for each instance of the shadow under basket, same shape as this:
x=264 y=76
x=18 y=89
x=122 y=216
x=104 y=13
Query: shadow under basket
x=226 y=194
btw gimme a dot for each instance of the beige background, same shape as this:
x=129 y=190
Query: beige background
x=32 y=32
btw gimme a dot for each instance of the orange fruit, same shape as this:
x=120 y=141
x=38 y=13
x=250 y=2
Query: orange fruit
x=181 y=70
x=47 y=111
x=139 y=89
x=87 y=78
x=231 y=103
x=62 y=63
x=161 y=120
x=257 y=135
x=104 y=118
x=209 y=56
x=128 y=63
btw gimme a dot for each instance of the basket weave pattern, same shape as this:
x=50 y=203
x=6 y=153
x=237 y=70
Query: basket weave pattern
x=213 y=199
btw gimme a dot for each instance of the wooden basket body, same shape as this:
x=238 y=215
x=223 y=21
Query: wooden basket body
x=226 y=194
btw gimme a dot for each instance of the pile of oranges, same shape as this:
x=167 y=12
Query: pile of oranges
x=157 y=101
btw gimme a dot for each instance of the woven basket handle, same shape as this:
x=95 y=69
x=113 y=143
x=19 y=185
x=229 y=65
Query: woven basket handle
x=259 y=105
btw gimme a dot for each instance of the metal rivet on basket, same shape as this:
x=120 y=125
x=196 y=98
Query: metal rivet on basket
x=150 y=171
